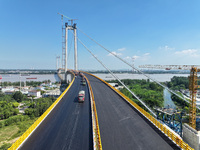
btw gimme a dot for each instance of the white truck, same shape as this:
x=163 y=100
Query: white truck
x=81 y=96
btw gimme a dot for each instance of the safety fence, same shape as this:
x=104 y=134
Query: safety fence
x=33 y=127
x=95 y=124
x=159 y=125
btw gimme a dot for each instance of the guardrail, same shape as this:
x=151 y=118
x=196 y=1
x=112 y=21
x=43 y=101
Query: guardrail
x=33 y=127
x=153 y=120
x=95 y=124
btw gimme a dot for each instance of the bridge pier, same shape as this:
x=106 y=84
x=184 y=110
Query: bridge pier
x=191 y=136
x=69 y=77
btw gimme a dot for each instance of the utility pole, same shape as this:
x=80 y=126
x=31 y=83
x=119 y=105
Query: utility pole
x=133 y=59
x=20 y=82
x=57 y=62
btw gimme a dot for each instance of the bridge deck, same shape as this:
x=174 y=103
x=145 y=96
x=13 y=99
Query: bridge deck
x=68 y=126
x=121 y=126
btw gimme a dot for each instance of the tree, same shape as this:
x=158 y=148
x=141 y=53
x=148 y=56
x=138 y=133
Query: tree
x=152 y=86
x=18 y=96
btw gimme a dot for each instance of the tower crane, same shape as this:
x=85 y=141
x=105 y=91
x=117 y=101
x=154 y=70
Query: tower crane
x=67 y=18
x=194 y=69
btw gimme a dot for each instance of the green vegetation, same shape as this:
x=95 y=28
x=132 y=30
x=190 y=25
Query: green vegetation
x=149 y=92
x=28 y=83
x=178 y=83
x=12 y=123
x=39 y=106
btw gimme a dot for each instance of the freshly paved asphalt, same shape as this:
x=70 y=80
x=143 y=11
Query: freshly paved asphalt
x=121 y=126
x=67 y=127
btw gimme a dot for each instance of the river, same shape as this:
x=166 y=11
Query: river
x=54 y=77
x=158 y=77
x=168 y=103
x=31 y=77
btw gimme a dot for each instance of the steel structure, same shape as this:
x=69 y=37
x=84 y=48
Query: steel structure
x=192 y=85
x=65 y=43
x=170 y=67
x=171 y=118
x=193 y=94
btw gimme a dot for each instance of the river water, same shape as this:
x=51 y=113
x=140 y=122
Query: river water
x=54 y=77
x=168 y=103
x=158 y=77
x=35 y=77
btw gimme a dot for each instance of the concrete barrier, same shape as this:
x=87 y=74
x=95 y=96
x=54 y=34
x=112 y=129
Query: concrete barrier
x=95 y=124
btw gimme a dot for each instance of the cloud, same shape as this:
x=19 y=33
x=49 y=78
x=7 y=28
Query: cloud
x=122 y=49
x=115 y=53
x=188 y=52
x=127 y=58
x=135 y=57
x=166 y=48
x=146 y=54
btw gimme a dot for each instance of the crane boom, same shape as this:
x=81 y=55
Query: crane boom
x=65 y=16
x=170 y=67
x=68 y=18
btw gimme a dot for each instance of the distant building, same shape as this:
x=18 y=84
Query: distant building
x=9 y=92
x=34 y=93
x=40 y=88
x=115 y=85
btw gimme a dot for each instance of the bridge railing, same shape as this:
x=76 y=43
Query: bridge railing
x=160 y=126
x=33 y=127
x=96 y=132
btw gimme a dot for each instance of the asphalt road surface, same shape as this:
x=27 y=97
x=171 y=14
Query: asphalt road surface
x=67 y=127
x=121 y=126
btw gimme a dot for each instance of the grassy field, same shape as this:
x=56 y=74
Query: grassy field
x=6 y=133
x=9 y=134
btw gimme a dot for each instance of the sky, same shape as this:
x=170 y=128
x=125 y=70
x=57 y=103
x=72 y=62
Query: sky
x=165 y=32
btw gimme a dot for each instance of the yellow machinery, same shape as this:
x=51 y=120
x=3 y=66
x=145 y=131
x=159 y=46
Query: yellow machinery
x=193 y=94
x=192 y=86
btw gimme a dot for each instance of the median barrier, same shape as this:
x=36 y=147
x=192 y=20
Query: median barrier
x=95 y=124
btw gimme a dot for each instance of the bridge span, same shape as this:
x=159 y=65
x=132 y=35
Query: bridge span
x=122 y=126
x=67 y=127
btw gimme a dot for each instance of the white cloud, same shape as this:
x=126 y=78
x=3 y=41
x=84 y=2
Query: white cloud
x=188 y=52
x=146 y=54
x=115 y=53
x=122 y=49
x=135 y=57
x=143 y=57
x=128 y=58
x=166 y=48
